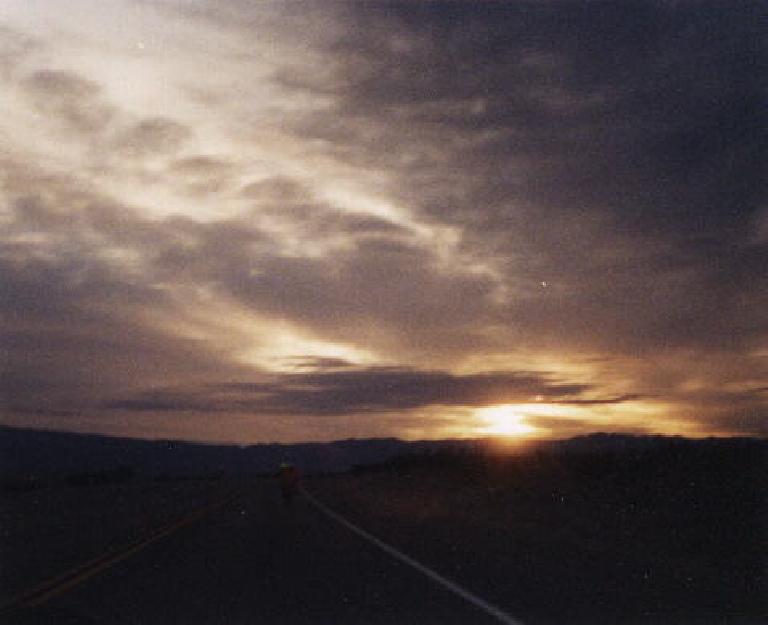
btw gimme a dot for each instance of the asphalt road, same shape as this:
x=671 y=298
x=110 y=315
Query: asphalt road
x=254 y=561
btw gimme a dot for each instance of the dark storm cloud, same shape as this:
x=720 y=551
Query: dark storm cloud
x=345 y=391
x=614 y=150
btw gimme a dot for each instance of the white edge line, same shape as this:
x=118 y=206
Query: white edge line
x=486 y=607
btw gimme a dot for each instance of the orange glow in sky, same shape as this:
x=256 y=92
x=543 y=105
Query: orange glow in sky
x=504 y=420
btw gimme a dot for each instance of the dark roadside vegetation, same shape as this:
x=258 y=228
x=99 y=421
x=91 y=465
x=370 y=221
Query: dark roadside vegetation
x=600 y=529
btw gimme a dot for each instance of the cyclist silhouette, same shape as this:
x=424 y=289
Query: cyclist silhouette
x=289 y=482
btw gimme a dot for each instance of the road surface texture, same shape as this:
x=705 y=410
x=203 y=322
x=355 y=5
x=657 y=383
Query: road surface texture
x=252 y=560
x=49 y=530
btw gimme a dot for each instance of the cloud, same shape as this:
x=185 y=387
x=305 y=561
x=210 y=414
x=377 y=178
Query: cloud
x=15 y=45
x=202 y=174
x=616 y=162
x=358 y=211
x=601 y=400
x=744 y=422
x=154 y=135
x=344 y=390
x=564 y=428
x=94 y=292
x=71 y=100
x=81 y=304
x=72 y=335
x=315 y=363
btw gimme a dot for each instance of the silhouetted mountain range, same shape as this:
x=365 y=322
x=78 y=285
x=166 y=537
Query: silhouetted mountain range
x=46 y=454
x=26 y=453
x=602 y=442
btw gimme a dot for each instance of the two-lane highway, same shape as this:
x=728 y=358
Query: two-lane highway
x=254 y=561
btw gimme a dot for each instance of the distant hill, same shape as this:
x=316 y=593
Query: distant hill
x=45 y=455
x=599 y=454
x=603 y=442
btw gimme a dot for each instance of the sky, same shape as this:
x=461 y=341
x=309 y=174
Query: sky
x=242 y=221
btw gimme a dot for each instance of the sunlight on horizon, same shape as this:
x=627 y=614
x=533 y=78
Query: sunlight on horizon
x=504 y=420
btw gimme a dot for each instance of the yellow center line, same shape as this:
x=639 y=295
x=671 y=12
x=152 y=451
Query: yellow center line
x=78 y=574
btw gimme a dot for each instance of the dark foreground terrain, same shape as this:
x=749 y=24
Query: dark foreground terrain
x=250 y=560
x=601 y=530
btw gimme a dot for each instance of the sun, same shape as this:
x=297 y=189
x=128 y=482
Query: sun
x=503 y=420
